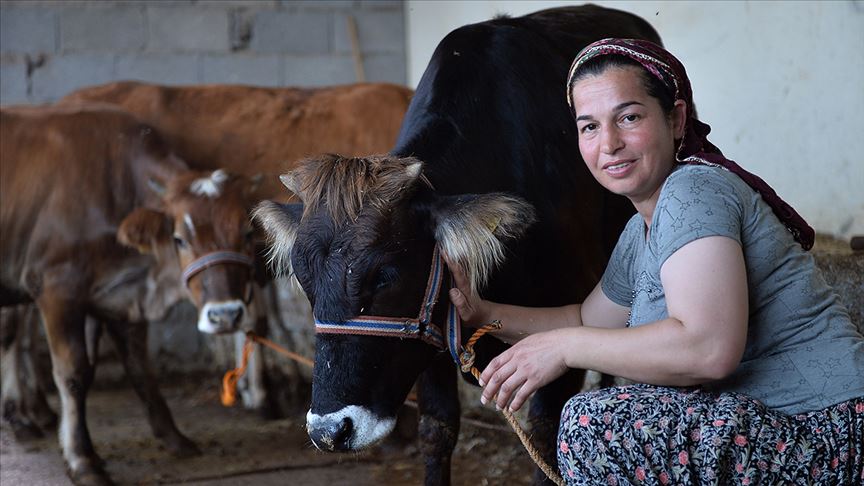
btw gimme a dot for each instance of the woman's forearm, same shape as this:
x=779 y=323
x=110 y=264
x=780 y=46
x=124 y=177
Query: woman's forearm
x=664 y=352
x=518 y=322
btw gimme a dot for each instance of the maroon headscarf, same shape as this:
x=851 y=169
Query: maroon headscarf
x=695 y=147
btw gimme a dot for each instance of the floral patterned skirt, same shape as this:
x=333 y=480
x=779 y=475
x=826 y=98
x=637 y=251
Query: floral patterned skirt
x=642 y=434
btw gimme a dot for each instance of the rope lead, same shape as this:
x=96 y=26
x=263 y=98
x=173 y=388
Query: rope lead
x=466 y=359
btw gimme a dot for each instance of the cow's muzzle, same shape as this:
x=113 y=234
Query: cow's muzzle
x=349 y=429
x=221 y=317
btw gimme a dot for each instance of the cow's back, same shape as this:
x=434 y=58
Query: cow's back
x=256 y=130
x=69 y=176
x=490 y=114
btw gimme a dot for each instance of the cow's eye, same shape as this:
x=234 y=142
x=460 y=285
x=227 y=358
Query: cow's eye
x=179 y=242
x=387 y=276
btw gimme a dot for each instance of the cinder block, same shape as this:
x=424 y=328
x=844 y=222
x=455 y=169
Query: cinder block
x=251 y=4
x=27 y=29
x=390 y=68
x=159 y=68
x=318 y=4
x=188 y=29
x=62 y=74
x=291 y=32
x=259 y=70
x=13 y=82
x=377 y=31
x=91 y=3
x=102 y=28
x=381 y=4
x=319 y=70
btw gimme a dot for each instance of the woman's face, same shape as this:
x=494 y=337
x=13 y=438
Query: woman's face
x=625 y=138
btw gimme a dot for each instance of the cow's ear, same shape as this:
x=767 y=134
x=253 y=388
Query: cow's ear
x=292 y=183
x=144 y=229
x=280 y=223
x=471 y=229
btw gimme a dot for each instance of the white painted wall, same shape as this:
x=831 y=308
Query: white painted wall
x=780 y=82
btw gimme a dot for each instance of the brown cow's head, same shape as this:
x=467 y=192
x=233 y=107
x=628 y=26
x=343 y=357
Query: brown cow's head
x=361 y=245
x=204 y=224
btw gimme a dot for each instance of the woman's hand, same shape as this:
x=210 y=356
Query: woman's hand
x=530 y=364
x=471 y=308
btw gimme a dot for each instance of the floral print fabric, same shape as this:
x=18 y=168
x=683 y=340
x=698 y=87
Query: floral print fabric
x=642 y=434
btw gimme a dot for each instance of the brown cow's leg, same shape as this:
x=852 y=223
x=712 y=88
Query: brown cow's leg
x=130 y=339
x=253 y=384
x=438 y=402
x=37 y=404
x=64 y=320
x=24 y=406
x=14 y=382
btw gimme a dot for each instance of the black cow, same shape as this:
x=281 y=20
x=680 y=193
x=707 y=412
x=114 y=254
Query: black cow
x=487 y=169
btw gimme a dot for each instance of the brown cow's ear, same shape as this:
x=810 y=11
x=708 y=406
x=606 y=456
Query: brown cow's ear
x=471 y=229
x=280 y=223
x=144 y=229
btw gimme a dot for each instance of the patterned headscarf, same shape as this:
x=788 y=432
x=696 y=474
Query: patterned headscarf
x=695 y=147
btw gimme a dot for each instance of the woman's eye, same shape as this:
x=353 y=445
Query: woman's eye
x=630 y=118
x=590 y=127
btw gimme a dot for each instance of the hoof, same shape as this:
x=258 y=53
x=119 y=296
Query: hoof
x=23 y=430
x=91 y=476
x=46 y=420
x=182 y=448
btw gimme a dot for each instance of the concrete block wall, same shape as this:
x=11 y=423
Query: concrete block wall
x=51 y=47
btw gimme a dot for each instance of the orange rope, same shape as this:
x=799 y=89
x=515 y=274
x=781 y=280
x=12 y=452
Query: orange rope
x=467 y=362
x=229 y=381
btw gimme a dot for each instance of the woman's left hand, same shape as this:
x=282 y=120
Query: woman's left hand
x=518 y=372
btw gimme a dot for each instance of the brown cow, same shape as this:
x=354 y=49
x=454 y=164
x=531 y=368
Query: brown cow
x=261 y=131
x=254 y=130
x=74 y=180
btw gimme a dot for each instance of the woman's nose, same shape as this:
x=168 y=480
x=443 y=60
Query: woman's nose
x=610 y=141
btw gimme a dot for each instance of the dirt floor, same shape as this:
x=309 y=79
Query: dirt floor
x=239 y=447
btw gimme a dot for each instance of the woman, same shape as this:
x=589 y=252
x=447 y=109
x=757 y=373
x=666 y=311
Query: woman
x=748 y=369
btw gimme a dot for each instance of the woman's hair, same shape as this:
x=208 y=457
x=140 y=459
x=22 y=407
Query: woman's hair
x=663 y=92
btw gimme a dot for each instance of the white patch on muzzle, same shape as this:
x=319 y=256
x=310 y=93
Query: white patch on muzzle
x=221 y=317
x=367 y=428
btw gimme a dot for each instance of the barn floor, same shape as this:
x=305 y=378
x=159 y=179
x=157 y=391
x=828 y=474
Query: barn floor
x=239 y=447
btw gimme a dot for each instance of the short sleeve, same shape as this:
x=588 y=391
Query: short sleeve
x=618 y=280
x=695 y=202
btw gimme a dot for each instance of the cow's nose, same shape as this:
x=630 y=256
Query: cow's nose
x=333 y=436
x=225 y=316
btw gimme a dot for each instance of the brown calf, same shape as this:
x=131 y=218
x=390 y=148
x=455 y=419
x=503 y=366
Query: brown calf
x=72 y=178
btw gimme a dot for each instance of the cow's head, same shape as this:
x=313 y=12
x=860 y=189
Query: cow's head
x=361 y=244
x=204 y=226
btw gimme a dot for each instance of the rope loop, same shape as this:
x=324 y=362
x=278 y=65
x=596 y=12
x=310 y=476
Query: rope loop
x=229 y=381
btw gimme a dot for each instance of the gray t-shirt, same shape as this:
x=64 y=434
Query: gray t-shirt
x=803 y=353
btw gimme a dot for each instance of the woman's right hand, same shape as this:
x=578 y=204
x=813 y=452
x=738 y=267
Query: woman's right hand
x=473 y=310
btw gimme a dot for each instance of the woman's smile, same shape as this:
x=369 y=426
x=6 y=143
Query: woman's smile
x=619 y=168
